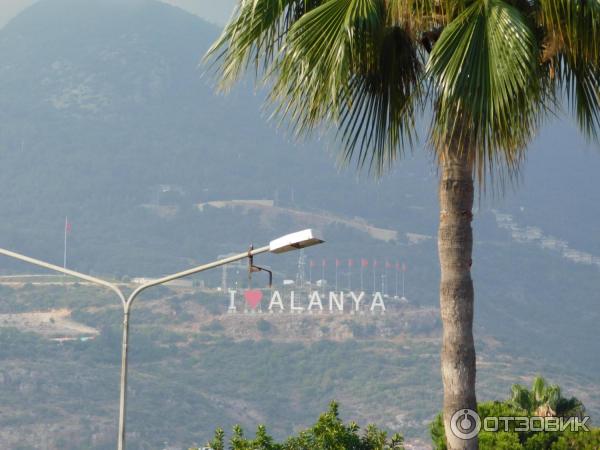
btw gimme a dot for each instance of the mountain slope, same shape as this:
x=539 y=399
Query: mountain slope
x=108 y=104
x=105 y=117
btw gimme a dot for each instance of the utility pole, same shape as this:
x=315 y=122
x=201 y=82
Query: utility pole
x=300 y=275
x=67 y=230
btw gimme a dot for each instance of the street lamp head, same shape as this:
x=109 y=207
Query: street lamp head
x=295 y=241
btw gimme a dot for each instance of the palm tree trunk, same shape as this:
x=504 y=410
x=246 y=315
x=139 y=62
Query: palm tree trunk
x=455 y=245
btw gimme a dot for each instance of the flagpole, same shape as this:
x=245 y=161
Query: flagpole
x=350 y=264
x=403 y=271
x=349 y=278
x=65 y=248
x=361 y=276
x=403 y=284
x=336 y=274
x=323 y=264
x=374 y=277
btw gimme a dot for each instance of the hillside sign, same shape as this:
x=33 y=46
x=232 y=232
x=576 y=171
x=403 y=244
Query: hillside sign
x=255 y=301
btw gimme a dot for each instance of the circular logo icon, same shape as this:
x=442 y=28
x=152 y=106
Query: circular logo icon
x=465 y=424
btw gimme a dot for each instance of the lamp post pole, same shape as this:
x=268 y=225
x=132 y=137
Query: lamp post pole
x=294 y=241
x=127 y=303
x=126 y=313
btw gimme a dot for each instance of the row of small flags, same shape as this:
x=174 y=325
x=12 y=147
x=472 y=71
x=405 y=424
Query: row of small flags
x=364 y=263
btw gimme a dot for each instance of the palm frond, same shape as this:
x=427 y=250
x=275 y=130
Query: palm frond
x=572 y=48
x=254 y=35
x=575 y=26
x=582 y=85
x=317 y=60
x=418 y=15
x=343 y=65
x=539 y=389
x=485 y=71
x=495 y=68
x=552 y=396
x=377 y=120
x=571 y=407
x=521 y=397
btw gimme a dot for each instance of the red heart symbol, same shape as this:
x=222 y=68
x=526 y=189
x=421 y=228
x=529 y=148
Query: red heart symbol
x=253 y=298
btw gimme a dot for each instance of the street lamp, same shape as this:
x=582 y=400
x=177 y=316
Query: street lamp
x=290 y=242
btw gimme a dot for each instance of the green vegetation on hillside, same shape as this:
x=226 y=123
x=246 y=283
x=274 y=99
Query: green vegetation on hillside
x=212 y=380
x=329 y=433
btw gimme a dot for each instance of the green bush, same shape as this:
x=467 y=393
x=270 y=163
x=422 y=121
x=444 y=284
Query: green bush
x=513 y=440
x=264 y=326
x=214 y=326
x=329 y=433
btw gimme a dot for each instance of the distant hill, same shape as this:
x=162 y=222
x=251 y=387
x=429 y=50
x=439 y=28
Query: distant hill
x=106 y=107
x=105 y=118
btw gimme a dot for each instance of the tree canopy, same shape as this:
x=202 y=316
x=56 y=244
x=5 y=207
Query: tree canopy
x=328 y=433
x=490 y=70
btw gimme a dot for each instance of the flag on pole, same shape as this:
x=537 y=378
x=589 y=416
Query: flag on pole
x=375 y=263
x=337 y=263
x=388 y=265
x=403 y=267
x=323 y=282
x=364 y=262
x=68 y=229
x=350 y=262
x=398 y=267
x=311 y=263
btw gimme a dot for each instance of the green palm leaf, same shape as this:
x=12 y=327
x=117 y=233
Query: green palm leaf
x=377 y=120
x=521 y=397
x=357 y=65
x=573 y=25
x=570 y=407
x=572 y=48
x=254 y=36
x=582 y=85
x=344 y=65
x=485 y=76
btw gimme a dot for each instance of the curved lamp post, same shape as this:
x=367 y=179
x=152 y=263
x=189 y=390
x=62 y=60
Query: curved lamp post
x=294 y=241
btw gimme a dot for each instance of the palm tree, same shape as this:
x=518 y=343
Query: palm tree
x=545 y=400
x=485 y=72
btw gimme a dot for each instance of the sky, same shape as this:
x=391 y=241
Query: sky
x=10 y=8
x=216 y=11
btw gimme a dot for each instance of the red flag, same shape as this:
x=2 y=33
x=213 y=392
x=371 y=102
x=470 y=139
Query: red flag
x=311 y=263
x=68 y=226
x=324 y=263
x=350 y=262
x=364 y=262
x=337 y=263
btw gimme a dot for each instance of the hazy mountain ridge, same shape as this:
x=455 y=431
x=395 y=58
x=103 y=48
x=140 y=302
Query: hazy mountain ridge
x=100 y=138
x=102 y=107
